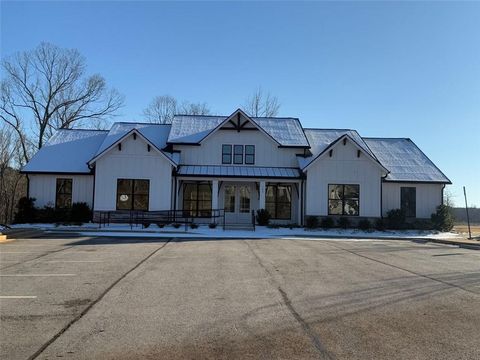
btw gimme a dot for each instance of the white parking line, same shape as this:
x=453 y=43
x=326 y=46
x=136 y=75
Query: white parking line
x=27 y=275
x=18 y=252
x=17 y=297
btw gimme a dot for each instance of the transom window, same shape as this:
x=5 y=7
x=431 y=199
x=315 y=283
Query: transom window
x=278 y=201
x=226 y=154
x=197 y=199
x=408 y=201
x=132 y=194
x=343 y=199
x=63 y=197
x=238 y=154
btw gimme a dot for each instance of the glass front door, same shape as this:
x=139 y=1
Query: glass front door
x=237 y=203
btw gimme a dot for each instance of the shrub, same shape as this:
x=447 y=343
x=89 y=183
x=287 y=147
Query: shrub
x=263 y=217
x=26 y=211
x=311 y=222
x=396 y=219
x=193 y=226
x=212 y=225
x=327 y=223
x=47 y=214
x=177 y=225
x=364 y=224
x=146 y=225
x=422 y=225
x=343 y=223
x=80 y=212
x=442 y=219
x=160 y=225
x=380 y=224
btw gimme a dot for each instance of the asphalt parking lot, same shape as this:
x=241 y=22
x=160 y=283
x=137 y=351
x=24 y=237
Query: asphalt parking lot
x=105 y=298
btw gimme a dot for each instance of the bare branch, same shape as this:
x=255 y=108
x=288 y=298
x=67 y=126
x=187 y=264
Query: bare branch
x=261 y=104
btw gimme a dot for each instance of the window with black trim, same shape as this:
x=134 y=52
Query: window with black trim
x=63 y=198
x=250 y=154
x=408 y=201
x=343 y=199
x=238 y=154
x=278 y=201
x=197 y=199
x=226 y=154
x=132 y=194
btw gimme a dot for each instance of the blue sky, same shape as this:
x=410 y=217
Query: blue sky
x=392 y=69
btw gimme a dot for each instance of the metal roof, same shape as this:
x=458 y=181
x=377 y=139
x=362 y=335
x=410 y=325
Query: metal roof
x=192 y=129
x=67 y=151
x=238 y=171
x=405 y=161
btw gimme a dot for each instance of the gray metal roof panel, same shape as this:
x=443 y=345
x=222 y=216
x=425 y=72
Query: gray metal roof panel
x=238 y=171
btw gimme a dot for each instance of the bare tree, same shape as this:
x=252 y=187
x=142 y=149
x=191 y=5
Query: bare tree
x=262 y=104
x=162 y=109
x=48 y=86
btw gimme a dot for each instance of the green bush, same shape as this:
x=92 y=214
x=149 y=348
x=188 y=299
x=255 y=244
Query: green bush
x=364 y=224
x=380 y=224
x=160 y=225
x=422 y=225
x=263 y=217
x=193 y=226
x=177 y=225
x=26 y=211
x=343 y=223
x=327 y=223
x=146 y=225
x=80 y=212
x=311 y=222
x=442 y=219
x=212 y=225
x=396 y=219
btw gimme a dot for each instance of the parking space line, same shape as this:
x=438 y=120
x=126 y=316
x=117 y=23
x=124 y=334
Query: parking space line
x=73 y=261
x=17 y=297
x=32 y=275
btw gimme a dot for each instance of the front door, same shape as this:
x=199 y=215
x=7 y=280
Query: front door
x=237 y=203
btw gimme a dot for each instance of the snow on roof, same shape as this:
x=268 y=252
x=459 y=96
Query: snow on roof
x=405 y=160
x=286 y=131
x=239 y=171
x=192 y=129
x=321 y=139
x=67 y=151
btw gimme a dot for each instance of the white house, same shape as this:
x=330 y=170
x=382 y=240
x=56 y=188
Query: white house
x=237 y=163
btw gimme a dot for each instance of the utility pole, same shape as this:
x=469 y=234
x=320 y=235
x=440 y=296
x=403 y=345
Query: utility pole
x=468 y=218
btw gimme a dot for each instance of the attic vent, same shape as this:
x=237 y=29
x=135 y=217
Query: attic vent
x=148 y=147
x=358 y=153
x=119 y=146
x=330 y=153
x=134 y=136
x=344 y=141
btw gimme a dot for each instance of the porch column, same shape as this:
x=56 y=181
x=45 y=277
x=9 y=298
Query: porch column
x=214 y=195
x=261 y=202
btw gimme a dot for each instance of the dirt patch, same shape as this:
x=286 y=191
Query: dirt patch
x=463 y=230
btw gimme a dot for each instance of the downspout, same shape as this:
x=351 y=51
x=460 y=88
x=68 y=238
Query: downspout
x=381 y=194
x=443 y=188
x=94 y=186
x=28 y=186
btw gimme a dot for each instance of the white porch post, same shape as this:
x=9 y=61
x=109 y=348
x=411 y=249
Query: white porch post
x=261 y=202
x=214 y=195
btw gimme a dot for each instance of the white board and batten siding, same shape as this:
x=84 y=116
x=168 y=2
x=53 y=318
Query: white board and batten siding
x=429 y=196
x=42 y=187
x=344 y=167
x=134 y=161
x=267 y=152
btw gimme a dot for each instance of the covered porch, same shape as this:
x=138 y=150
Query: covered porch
x=239 y=191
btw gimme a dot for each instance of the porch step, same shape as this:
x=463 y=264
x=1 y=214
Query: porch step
x=20 y=233
x=246 y=227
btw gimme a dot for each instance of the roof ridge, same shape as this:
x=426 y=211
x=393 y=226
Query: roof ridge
x=385 y=138
x=141 y=123
x=84 y=130
x=332 y=129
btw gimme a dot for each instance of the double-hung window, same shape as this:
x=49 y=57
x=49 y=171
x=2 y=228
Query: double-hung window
x=63 y=197
x=226 y=154
x=250 y=154
x=343 y=199
x=132 y=194
x=238 y=154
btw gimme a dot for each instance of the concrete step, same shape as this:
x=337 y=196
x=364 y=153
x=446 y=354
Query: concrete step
x=22 y=233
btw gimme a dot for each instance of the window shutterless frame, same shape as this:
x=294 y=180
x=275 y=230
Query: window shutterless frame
x=63 y=193
x=344 y=200
x=226 y=154
x=278 y=207
x=238 y=154
x=408 y=201
x=133 y=194
x=250 y=154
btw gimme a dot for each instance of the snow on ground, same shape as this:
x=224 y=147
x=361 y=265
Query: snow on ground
x=124 y=230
